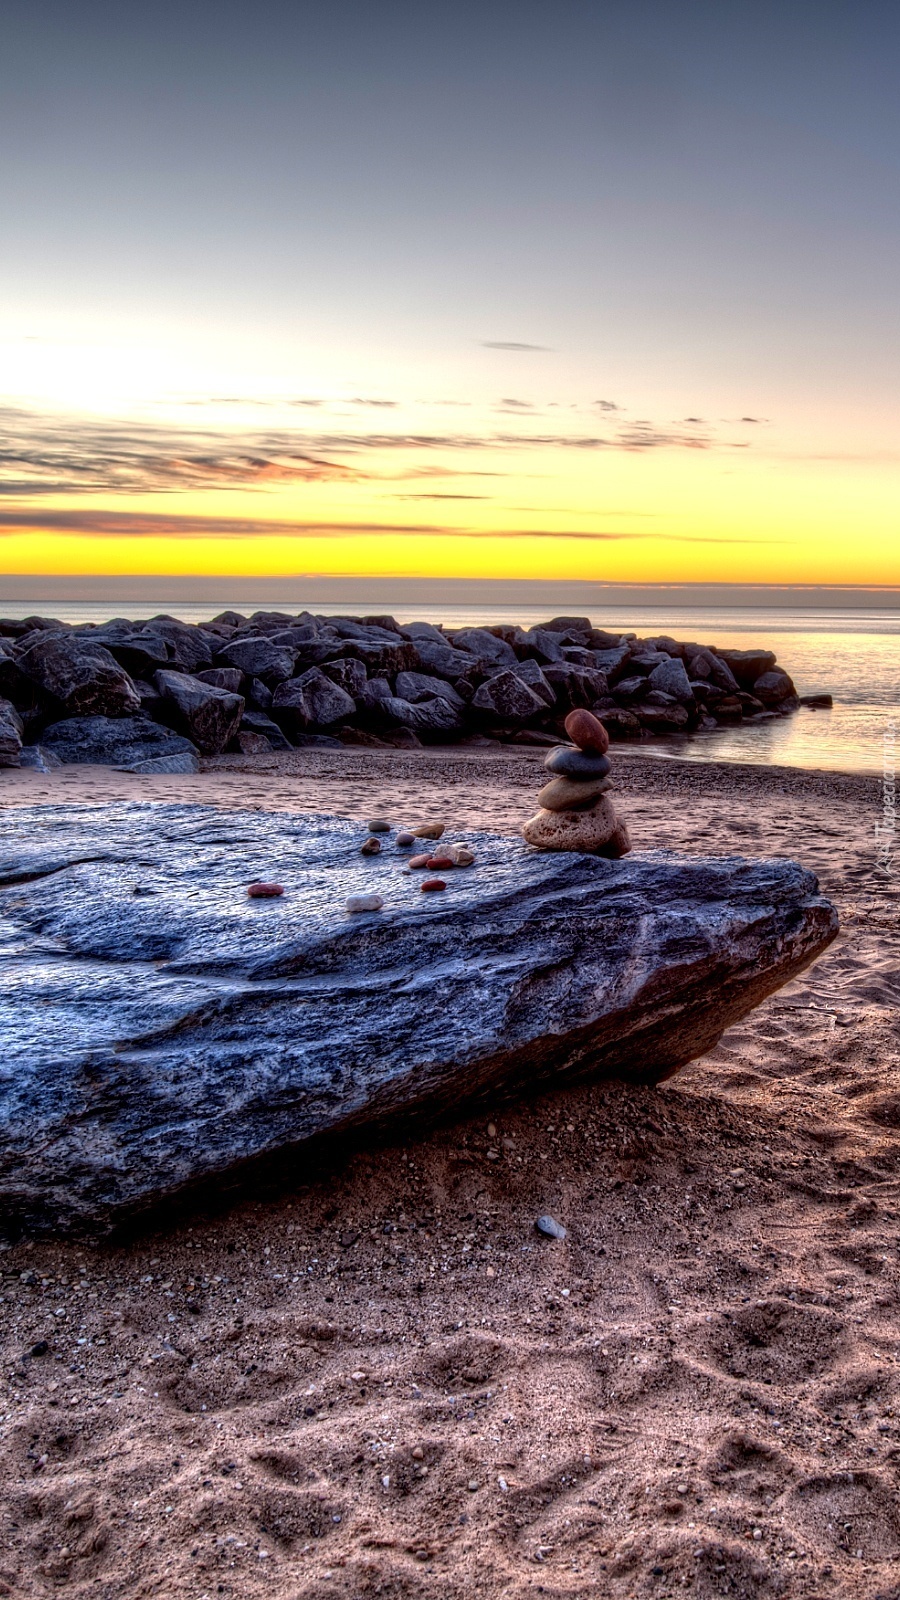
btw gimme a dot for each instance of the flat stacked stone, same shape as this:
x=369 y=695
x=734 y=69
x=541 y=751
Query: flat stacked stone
x=576 y=811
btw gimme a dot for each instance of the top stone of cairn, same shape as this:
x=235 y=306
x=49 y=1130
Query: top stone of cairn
x=588 y=732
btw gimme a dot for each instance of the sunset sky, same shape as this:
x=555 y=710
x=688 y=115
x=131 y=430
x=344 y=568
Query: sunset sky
x=593 y=290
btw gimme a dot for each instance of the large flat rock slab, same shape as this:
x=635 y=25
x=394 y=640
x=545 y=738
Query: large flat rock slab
x=161 y=1030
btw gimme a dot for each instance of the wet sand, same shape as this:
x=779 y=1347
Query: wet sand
x=384 y=1382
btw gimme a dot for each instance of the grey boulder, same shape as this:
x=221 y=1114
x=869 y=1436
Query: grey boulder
x=429 y=717
x=79 y=678
x=416 y=686
x=485 y=645
x=139 y=651
x=256 y=722
x=229 y=678
x=311 y=700
x=12 y=729
x=773 y=688
x=162 y=1031
x=530 y=672
x=747 y=665
x=188 y=649
x=209 y=716
x=111 y=741
x=259 y=658
x=670 y=678
x=505 y=698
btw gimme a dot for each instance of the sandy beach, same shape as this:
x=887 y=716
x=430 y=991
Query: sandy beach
x=385 y=1383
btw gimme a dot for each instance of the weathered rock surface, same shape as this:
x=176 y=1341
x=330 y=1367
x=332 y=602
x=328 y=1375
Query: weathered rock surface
x=80 y=678
x=209 y=716
x=112 y=741
x=162 y=1030
x=505 y=698
x=11 y=731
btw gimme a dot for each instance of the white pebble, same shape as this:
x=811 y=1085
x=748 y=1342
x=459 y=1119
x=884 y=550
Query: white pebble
x=364 y=902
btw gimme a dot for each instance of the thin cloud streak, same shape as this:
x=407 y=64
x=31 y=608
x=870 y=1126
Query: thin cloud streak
x=41 y=455
x=149 y=525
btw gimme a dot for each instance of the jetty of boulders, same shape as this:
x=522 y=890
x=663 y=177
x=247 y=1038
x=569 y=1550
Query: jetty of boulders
x=155 y=695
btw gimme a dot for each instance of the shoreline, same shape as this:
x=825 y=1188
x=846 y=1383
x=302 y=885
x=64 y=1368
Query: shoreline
x=634 y=771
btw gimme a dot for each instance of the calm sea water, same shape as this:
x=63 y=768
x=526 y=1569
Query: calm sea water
x=852 y=655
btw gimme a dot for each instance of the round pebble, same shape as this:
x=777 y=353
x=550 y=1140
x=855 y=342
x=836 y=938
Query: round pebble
x=418 y=1453
x=587 y=731
x=419 y=861
x=432 y=884
x=364 y=902
x=378 y=825
x=567 y=794
x=405 y=840
x=372 y=847
x=440 y=863
x=473 y=1484
x=550 y=1228
x=265 y=891
x=582 y=765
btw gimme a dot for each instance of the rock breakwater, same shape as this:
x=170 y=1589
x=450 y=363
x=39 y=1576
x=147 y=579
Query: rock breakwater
x=275 y=680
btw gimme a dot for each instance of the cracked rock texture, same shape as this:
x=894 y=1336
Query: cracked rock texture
x=163 y=1031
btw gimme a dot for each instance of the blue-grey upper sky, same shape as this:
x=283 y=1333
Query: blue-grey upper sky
x=532 y=173
x=675 y=212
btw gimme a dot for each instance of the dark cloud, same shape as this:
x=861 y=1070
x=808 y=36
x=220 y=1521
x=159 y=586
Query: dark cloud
x=53 y=455
x=754 y=419
x=511 y=404
x=606 y=405
x=513 y=344
x=170 y=525
x=153 y=525
x=378 y=405
x=41 y=455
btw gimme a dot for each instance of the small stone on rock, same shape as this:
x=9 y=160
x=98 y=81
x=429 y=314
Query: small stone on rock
x=372 y=847
x=440 y=863
x=405 y=840
x=265 y=891
x=364 y=902
x=432 y=884
x=428 y=830
x=378 y=825
x=419 y=861
x=550 y=1228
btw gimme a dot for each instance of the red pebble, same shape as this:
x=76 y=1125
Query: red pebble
x=419 y=861
x=431 y=884
x=265 y=891
x=587 y=731
x=440 y=863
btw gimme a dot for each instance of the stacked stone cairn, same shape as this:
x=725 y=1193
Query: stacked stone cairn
x=576 y=811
